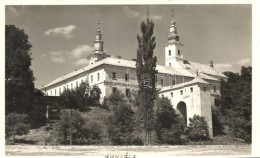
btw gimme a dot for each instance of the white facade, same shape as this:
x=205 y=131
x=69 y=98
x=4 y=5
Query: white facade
x=191 y=87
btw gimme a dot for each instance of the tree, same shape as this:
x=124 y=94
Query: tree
x=199 y=129
x=94 y=97
x=235 y=105
x=74 y=125
x=170 y=127
x=15 y=124
x=146 y=72
x=76 y=98
x=121 y=124
x=18 y=74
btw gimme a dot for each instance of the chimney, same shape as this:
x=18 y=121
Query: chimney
x=118 y=57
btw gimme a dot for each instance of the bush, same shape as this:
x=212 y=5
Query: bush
x=83 y=132
x=92 y=133
x=63 y=125
x=198 y=129
x=15 y=124
x=170 y=127
x=121 y=124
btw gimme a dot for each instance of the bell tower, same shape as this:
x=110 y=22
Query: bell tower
x=98 y=43
x=98 y=53
x=173 y=46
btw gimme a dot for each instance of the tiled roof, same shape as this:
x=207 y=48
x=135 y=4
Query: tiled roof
x=197 y=79
x=202 y=68
x=187 y=70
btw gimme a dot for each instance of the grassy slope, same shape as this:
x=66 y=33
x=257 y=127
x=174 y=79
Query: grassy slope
x=37 y=136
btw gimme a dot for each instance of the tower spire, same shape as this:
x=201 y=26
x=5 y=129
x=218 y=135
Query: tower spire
x=98 y=43
x=148 y=12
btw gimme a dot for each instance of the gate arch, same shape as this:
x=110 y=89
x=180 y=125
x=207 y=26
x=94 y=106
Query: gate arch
x=182 y=110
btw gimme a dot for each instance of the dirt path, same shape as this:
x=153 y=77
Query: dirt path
x=131 y=151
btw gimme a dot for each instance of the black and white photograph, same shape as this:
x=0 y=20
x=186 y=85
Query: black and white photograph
x=127 y=80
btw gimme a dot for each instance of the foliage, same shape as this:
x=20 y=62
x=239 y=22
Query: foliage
x=218 y=128
x=94 y=97
x=235 y=105
x=198 y=129
x=18 y=74
x=15 y=124
x=83 y=132
x=121 y=124
x=170 y=127
x=79 y=97
x=146 y=72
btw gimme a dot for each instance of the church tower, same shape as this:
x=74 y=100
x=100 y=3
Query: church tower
x=173 y=53
x=98 y=43
x=98 y=53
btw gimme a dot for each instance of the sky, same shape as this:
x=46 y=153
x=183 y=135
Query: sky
x=63 y=36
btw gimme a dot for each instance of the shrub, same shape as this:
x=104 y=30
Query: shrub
x=63 y=126
x=198 y=129
x=15 y=124
x=92 y=133
x=121 y=124
x=170 y=127
x=83 y=132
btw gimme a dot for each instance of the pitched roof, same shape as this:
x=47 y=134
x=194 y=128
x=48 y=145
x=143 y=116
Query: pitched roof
x=186 y=70
x=202 y=68
x=197 y=79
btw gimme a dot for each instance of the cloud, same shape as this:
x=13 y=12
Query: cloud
x=131 y=13
x=82 y=50
x=244 y=62
x=56 y=53
x=65 y=31
x=223 y=66
x=57 y=59
x=156 y=17
x=83 y=61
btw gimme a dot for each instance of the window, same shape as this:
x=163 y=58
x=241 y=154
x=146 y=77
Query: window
x=127 y=92
x=59 y=91
x=47 y=93
x=55 y=92
x=191 y=89
x=91 y=78
x=114 y=76
x=98 y=76
x=51 y=93
x=181 y=92
x=214 y=88
x=171 y=94
x=173 y=82
x=170 y=53
x=71 y=85
x=170 y=64
x=64 y=88
x=77 y=84
x=114 y=89
x=67 y=87
x=127 y=77
x=162 y=82
x=204 y=89
x=81 y=81
x=162 y=95
x=179 y=52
